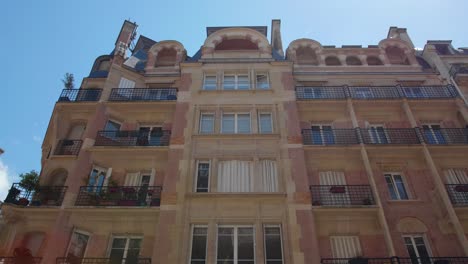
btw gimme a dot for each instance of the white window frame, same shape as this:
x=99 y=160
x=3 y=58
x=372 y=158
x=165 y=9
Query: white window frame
x=127 y=244
x=235 y=241
x=322 y=135
x=200 y=122
x=377 y=140
x=75 y=230
x=260 y=123
x=191 y=242
x=405 y=185
x=236 y=114
x=196 y=175
x=426 y=243
x=267 y=81
x=204 y=82
x=281 y=241
x=236 y=81
x=434 y=136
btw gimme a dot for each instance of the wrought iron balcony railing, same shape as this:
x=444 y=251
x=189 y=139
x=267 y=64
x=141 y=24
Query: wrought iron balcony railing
x=119 y=196
x=80 y=95
x=330 y=136
x=458 y=69
x=143 y=94
x=445 y=136
x=22 y=259
x=396 y=260
x=375 y=92
x=133 y=138
x=357 y=260
x=68 y=147
x=382 y=136
x=38 y=196
x=70 y=260
x=458 y=193
x=341 y=195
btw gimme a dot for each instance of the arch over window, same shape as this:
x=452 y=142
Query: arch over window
x=374 y=60
x=57 y=177
x=306 y=55
x=353 y=60
x=332 y=61
x=236 y=44
x=396 y=55
x=166 y=57
x=411 y=225
x=165 y=53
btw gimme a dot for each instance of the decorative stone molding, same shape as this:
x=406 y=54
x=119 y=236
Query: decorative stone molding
x=165 y=44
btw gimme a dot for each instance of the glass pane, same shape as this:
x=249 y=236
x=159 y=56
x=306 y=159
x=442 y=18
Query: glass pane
x=391 y=188
x=273 y=244
x=112 y=126
x=199 y=244
x=135 y=243
x=202 y=177
x=225 y=245
x=119 y=243
x=243 y=123
x=400 y=187
x=229 y=82
x=243 y=82
x=262 y=81
x=265 y=123
x=116 y=255
x=207 y=123
x=210 y=83
x=78 y=245
x=245 y=245
x=228 y=123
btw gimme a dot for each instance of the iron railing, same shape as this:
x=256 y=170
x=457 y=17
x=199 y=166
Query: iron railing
x=341 y=195
x=75 y=260
x=119 y=196
x=68 y=147
x=357 y=260
x=396 y=260
x=442 y=136
x=133 y=138
x=382 y=136
x=458 y=69
x=143 y=94
x=458 y=193
x=375 y=92
x=38 y=196
x=80 y=95
x=22 y=259
x=330 y=136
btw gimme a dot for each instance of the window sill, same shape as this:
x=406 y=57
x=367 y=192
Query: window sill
x=249 y=91
x=236 y=194
x=225 y=135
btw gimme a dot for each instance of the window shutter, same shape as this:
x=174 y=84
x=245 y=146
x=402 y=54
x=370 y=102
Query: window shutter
x=269 y=176
x=456 y=176
x=108 y=175
x=133 y=179
x=345 y=246
x=126 y=83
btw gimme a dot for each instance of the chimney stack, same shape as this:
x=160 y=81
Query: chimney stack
x=276 y=42
x=126 y=35
x=400 y=33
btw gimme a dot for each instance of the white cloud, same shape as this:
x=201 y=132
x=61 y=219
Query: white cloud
x=4 y=183
x=37 y=139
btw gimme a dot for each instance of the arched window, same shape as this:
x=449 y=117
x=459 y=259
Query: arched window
x=332 y=61
x=306 y=55
x=396 y=56
x=166 y=57
x=352 y=60
x=236 y=44
x=373 y=60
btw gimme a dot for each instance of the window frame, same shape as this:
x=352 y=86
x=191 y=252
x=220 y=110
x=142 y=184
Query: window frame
x=413 y=243
x=281 y=242
x=235 y=241
x=127 y=244
x=236 y=127
x=195 y=186
x=430 y=128
x=378 y=139
x=82 y=232
x=324 y=136
x=257 y=87
x=205 y=82
x=191 y=241
x=236 y=81
x=113 y=121
x=200 y=123
x=405 y=185
x=260 y=123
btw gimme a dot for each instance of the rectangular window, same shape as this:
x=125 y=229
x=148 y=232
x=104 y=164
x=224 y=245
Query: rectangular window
x=127 y=248
x=112 y=126
x=235 y=176
x=345 y=246
x=236 y=82
x=98 y=178
x=126 y=83
x=333 y=198
x=269 y=176
x=417 y=248
x=203 y=176
x=262 y=81
x=207 y=123
x=273 y=246
x=264 y=120
x=322 y=135
x=209 y=82
x=199 y=241
x=235 y=245
x=377 y=134
x=433 y=134
x=396 y=186
x=235 y=123
x=77 y=246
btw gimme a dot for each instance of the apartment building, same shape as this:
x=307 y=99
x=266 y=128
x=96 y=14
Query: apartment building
x=247 y=152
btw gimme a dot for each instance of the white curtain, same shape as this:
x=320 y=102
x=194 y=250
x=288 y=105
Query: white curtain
x=333 y=178
x=456 y=176
x=268 y=173
x=345 y=246
x=133 y=179
x=235 y=176
x=126 y=83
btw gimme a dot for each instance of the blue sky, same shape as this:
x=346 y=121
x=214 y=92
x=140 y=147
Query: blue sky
x=42 y=40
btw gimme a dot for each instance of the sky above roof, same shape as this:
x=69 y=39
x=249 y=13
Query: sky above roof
x=42 y=40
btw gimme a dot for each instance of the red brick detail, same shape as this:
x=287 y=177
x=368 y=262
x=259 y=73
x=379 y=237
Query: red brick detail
x=308 y=243
x=168 y=198
x=287 y=81
x=294 y=139
x=185 y=82
x=302 y=197
x=177 y=140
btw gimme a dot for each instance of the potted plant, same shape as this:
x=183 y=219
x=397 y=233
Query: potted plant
x=358 y=260
x=30 y=183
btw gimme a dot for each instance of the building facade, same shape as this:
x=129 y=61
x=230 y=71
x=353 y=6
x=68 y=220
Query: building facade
x=249 y=153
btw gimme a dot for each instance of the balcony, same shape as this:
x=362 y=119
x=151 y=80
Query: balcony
x=41 y=196
x=80 y=95
x=68 y=147
x=375 y=92
x=143 y=94
x=103 y=260
x=357 y=260
x=445 y=136
x=458 y=193
x=396 y=260
x=134 y=196
x=330 y=136
x=384 y=136
x=341 y=195
x=17 y=260
x=458 y=69
x=133 y=138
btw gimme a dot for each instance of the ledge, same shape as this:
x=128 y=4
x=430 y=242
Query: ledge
x=243 y=136
x=249 y=91
x=247 y=195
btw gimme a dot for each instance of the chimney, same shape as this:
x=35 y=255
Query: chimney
x=400 y=33
x=126 y=35
x=276 y=41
